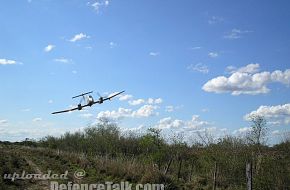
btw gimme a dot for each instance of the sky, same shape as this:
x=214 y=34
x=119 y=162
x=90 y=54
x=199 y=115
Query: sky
x=186 y=66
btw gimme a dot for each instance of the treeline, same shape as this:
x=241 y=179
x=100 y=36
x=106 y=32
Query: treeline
x=180 y=165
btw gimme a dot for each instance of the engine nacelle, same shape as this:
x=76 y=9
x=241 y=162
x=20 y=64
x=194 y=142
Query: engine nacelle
x=79 y=106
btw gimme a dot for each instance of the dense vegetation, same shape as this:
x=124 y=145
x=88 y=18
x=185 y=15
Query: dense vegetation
x=107 y=154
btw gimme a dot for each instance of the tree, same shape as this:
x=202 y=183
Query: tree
x=258 y=133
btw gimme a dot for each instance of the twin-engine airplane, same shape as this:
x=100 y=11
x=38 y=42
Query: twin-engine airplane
x=89 y=101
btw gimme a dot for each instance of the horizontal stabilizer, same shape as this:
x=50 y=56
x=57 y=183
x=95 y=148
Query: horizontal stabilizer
x=82 y=94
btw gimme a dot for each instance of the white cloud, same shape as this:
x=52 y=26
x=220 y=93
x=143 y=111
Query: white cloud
x=78 y=37
x=246 y=81
x=115 y=115
x=136 y=102
x=205 y=110
x=158 y=101
x=196 y=48
x=172 y=108
x=236 y=33
x=89 y=47
x=169 y=123
x=242 y=130
x=142 y=101
x=199 y=68
x=99 y=4
x=145 y=111
x=194 y=124
x=197 y=122
x=276 y=132
x=37 y=119
x=154 y=101
x=49 y=47
x=250 y=68
x=169 y=108
x=150 y=101
x=215 y=19
x=154 y=54
x=62 y=60
x=279 y=114
x=50 y=101
x=140 y=129
x=125 y=97
x=36 y=130
x=213 y=54
x=3 y=121
x=113 y=44
x=7 y=62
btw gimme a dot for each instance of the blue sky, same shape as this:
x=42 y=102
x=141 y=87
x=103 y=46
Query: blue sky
x=186 y=66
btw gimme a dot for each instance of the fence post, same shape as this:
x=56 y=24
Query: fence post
x=214 y=176
x=249 y=174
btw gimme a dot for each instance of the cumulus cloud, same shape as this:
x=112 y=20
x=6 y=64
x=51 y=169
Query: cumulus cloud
x=144 y=111
x=169 y=123
x=49 y=47
x=113 y=44
x=246 y=80
x=205 y=110
x=250 y=68
x=169 y=108
x=78 y=37
x=213 y=54
x=242 y=130
x=154 y=101
x=99 y=4
x=136 y=102
x=154 y=53
x=125 y=97
x=115 y=114
x=172 y=108
x=195 y=48
x=140 y=129
x=215 y=19
x=194 y=124
x=3 y=121
x=236 y=34
x=198 y=68
x=276 y=132
x=7 y=62
x=35 y=130
x=62 y=60
x=37 y=119
x=142 y=101
x=279 y=114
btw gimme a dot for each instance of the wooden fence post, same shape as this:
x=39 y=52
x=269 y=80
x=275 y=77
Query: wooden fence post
x=249 y=174
x=214 y=176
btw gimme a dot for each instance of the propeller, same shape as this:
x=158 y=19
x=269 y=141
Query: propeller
x=99 y=95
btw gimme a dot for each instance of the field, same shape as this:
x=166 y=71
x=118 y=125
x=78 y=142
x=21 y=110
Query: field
x=104 y=154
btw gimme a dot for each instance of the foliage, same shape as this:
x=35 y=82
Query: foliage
x=107 y=154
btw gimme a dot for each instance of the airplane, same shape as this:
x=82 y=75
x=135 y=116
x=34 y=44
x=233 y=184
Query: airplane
x=90 y=101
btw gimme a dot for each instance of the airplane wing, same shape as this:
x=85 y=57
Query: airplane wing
x=108 y=98
x=68 y=110
x=95 y=102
